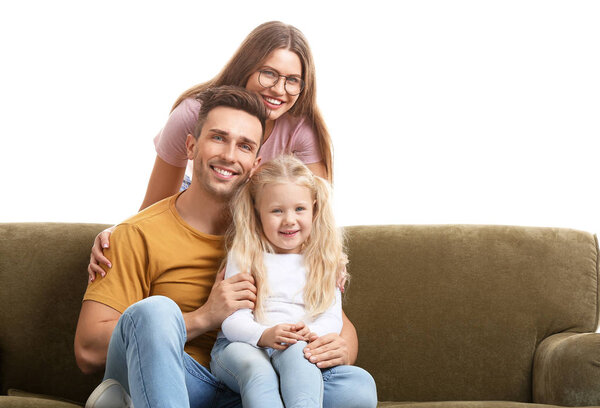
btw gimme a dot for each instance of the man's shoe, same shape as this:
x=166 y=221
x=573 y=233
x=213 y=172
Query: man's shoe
x=109 y=394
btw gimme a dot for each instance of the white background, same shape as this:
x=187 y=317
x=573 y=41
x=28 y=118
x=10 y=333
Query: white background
x=480 y=112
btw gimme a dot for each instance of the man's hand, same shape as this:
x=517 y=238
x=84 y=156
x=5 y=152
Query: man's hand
x=327 y=351
x=226 y=296
x=281 y=336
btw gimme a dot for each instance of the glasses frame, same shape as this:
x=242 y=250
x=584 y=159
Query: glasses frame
x=279 y=76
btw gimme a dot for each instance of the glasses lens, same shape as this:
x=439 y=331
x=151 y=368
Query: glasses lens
x=267 y=78
x=294 y=85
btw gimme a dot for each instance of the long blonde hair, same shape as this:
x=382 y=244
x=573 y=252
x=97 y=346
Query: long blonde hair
x=263 y=40
x=323 y=251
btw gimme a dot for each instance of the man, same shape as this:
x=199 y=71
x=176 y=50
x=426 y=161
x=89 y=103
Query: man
x=158 y=307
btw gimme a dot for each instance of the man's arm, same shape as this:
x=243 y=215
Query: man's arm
x=97 y=320
x=94 y=328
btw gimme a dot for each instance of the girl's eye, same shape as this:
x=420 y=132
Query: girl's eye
x=276 y=211
x=300 y=208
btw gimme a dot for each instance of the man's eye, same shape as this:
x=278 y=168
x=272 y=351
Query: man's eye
x=217 y=137
x=246 y=147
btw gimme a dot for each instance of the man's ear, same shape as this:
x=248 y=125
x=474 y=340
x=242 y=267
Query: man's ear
x=254 y=167
x=190 y=144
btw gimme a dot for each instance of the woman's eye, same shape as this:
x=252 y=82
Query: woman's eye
x=270 y=74
x=293 y=80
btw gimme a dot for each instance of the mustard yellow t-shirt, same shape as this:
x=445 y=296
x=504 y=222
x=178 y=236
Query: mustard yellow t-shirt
x=157 y=253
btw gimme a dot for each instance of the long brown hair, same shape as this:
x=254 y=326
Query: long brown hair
x=263 y=40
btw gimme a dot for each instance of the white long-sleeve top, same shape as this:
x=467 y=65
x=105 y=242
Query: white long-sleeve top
x=286 y=277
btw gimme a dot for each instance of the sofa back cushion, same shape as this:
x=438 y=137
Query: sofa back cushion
x=42 y=280
x=456 y=312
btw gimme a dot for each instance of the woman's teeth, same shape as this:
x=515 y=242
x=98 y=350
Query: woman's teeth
x=272 y=101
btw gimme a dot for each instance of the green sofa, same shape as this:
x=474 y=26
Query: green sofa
x=447 y=316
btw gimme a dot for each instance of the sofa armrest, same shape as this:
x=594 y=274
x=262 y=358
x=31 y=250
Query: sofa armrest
x=567 y=370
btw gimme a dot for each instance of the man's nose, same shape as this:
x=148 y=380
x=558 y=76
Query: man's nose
x=228 y=152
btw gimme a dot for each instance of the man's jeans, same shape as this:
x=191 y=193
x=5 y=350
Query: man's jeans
x=256 y=374
x=146 y=356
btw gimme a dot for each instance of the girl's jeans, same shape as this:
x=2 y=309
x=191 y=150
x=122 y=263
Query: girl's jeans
x=146 y=356
x=257 y=374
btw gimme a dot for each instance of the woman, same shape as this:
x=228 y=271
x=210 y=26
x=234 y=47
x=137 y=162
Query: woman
x=275 y=61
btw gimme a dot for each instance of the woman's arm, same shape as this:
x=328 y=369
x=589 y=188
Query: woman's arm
x=318 y=169
x=165 y=181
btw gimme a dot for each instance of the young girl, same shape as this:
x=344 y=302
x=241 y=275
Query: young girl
x=284 y=234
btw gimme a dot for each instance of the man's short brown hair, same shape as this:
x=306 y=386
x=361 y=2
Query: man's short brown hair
x=232 y=97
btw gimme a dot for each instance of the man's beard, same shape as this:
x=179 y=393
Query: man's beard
x=219 y=193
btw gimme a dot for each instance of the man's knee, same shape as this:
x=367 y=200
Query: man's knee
x=352 y=385
x=156 y=313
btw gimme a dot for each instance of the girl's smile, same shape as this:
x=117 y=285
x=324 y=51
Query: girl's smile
x=286 y=212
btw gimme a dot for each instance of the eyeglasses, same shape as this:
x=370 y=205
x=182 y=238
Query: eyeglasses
x=268 y=78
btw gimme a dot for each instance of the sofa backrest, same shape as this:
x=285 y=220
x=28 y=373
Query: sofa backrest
x=42 y=280
x=455 y=312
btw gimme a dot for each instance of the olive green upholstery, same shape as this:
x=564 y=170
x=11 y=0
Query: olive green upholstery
x=447 y=316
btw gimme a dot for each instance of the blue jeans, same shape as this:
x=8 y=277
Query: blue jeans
x=257 y=374
x=146 y=356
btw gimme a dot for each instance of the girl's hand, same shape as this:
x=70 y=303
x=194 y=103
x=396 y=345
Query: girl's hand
x=97 y=256
x=327 y=351
x=303 y=331
x=280 y=336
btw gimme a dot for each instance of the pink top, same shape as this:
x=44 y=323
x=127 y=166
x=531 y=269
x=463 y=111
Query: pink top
x=289 y=135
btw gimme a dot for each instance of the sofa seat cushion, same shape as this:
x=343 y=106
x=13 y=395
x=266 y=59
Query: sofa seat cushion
x=462 y=404
x=18 y=398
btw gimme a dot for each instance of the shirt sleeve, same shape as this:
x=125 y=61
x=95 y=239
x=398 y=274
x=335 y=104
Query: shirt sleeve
x=330 y=321
x=127 y=282
x=170 y=141
x=241 y=326
x=306 y=143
